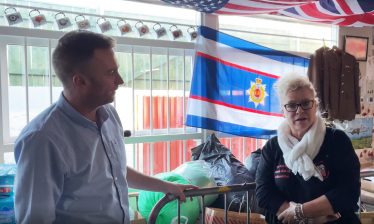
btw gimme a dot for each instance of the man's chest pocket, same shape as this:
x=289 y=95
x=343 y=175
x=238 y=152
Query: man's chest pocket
x=119 y=152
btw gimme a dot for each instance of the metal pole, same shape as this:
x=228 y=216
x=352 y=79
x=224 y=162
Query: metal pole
x=225 y=208
x=151 y=92
x=167 y=93
x=50 y=71
x=202 y=210
x=134 y=111
x=196 y=193
x=359 y=203
x=179 y=212
x=27 y=82
x=247 y=207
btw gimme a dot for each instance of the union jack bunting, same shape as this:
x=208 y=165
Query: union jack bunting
x=338 y=12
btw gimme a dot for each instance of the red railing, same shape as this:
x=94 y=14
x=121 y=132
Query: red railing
x=159 y=121
x=237 y=146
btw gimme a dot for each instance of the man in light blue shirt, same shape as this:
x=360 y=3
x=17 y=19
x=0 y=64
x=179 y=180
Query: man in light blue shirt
x=71 y=162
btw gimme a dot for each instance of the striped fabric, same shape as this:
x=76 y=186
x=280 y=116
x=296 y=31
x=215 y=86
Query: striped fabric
x=339 y=12
x=233 y=87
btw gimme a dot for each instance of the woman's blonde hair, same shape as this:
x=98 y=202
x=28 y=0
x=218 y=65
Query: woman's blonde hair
x=293 y=81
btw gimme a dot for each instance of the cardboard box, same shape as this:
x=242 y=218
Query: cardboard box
x=367 y=186
x=368 y=207
x=138 y=219
x=367 y=217
x=367 y=197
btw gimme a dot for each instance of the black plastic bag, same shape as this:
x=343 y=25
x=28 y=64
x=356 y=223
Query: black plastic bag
x=227 y=170
x=252 y=162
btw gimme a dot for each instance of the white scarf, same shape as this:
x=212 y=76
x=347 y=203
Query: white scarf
x=299 y=156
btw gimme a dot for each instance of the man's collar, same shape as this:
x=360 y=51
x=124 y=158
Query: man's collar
x=74 y=115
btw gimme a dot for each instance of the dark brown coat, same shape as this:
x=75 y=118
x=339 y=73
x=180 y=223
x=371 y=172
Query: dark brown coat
x=315 y=75
x=341 y=93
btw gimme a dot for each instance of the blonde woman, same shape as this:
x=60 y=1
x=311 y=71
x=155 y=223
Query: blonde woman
x=309 y=173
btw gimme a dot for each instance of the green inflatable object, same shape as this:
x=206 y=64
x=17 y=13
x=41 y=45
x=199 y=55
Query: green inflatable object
x=169 y=214
x=198 y=173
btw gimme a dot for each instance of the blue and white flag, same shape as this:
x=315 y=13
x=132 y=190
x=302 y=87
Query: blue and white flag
x=233 y=88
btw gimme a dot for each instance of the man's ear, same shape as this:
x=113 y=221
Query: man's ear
x=80 y=80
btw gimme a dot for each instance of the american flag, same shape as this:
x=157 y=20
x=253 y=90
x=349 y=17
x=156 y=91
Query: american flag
x=337 y=12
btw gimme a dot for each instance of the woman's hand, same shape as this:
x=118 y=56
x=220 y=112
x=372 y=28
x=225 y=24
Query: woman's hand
x=288 y=215
x=325 y=219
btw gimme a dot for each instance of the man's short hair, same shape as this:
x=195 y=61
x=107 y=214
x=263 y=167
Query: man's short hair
x=74 y=50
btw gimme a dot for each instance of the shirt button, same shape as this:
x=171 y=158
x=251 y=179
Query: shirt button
x=342 y=91
x=115 y=178
x=343 y=83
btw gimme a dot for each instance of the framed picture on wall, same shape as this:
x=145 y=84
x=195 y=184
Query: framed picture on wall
x=357 y=46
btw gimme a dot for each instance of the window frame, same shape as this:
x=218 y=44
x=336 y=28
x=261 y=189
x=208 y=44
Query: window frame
x=46 y=38
x=156 y=135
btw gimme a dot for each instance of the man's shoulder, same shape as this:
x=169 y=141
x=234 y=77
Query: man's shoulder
x=46 y=122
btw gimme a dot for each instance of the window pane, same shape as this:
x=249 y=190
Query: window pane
x=142 y=92
x=250 y=146
x=160 y=151
x=143 y=158
x=124 y=99
x=130 y=155
x=188 y=78
x=9 y=158
x=176 y=154
x=273 y=25
x=17 y=89
x=225 y=142
x=38 y=73
x=237 y=148
x=281 y=43
x=176 y=90
x=190 y=144
x=56 y=84
x=159 y=91
x=264 y=141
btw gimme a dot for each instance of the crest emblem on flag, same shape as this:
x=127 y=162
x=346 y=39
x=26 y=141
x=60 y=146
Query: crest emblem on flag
x=257 y=92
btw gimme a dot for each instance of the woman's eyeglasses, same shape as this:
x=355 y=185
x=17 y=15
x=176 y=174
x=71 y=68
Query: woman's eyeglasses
x=306 y=105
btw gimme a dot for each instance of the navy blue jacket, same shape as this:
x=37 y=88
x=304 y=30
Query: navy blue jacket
x=340 y=169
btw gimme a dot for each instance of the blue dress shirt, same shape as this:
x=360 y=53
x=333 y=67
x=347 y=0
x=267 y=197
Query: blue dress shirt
x=70 y=169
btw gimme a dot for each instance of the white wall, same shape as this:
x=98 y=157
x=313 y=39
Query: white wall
x=361 y=32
